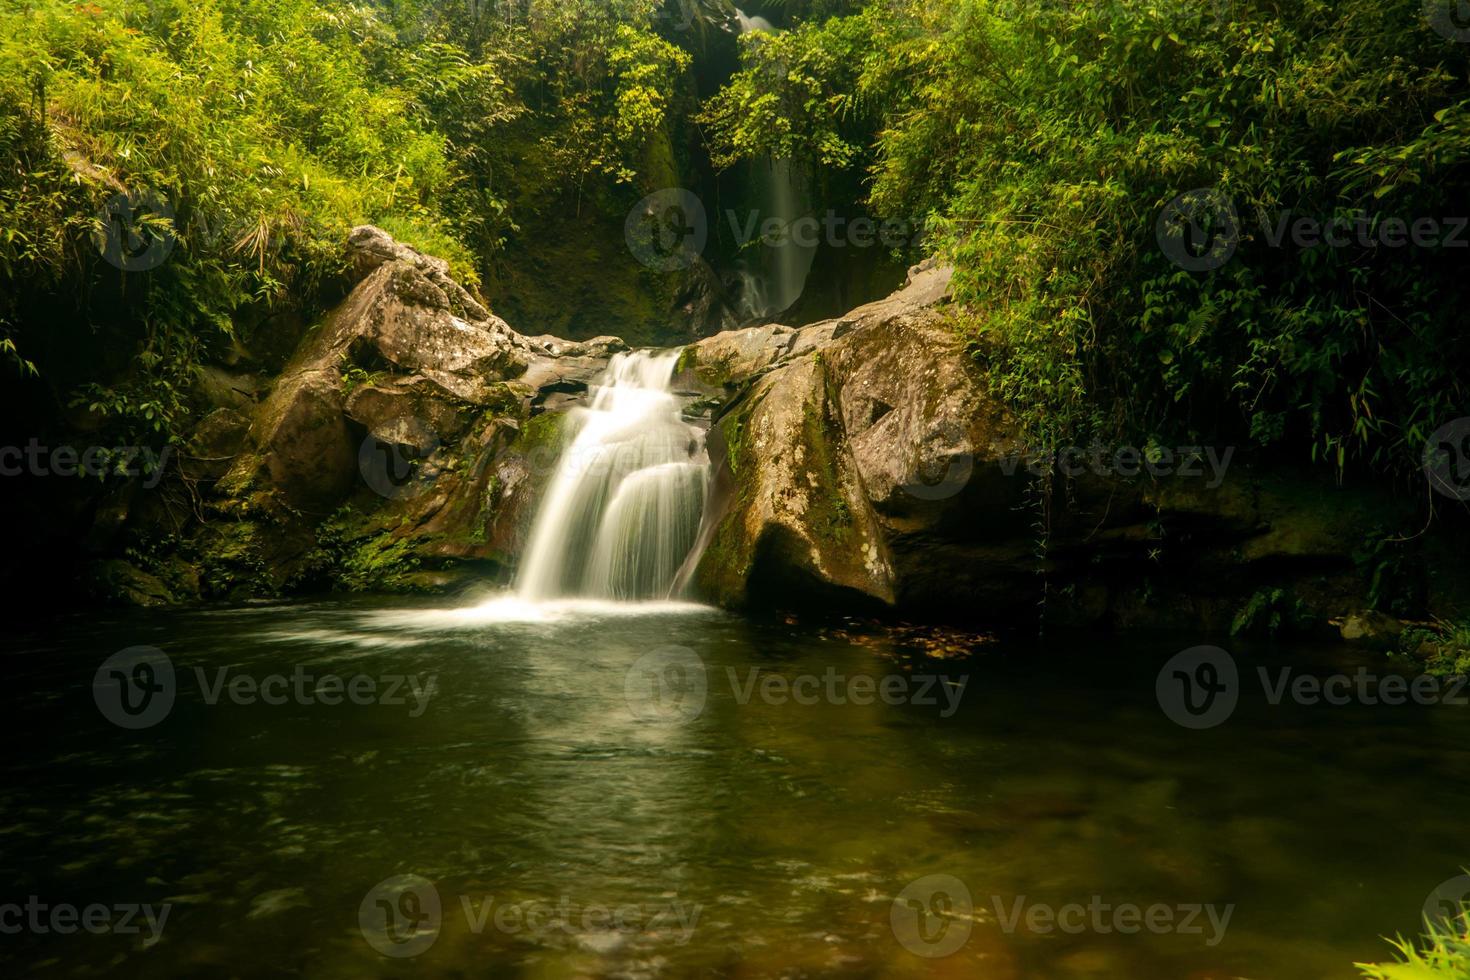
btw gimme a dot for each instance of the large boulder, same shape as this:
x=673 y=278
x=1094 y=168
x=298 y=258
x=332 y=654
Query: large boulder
x=867 y=458
x=411 y=341
x=793 y=516
x=403 y=436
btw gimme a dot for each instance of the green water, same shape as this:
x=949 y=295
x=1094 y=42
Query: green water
x=756 y=839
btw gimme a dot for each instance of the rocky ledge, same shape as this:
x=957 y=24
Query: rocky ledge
x=859 y=463
x=402 y=446
x=862 y=463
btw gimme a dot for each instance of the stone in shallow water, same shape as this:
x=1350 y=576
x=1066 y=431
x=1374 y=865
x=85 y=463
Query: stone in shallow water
x=278 y=901
x=605 y=942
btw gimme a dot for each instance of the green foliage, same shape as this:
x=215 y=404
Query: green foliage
x=1270 y=612
x=1444 y=954
x=1045 y=139
x=1394 y=573
x=263 y=127
x=270 y=127
x=798 y=96
x=357 y=555
x=1443 y=647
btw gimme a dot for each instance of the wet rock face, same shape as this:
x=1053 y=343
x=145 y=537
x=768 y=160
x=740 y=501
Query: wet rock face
x=400 y=432
x=797 y=520
x=864 y=460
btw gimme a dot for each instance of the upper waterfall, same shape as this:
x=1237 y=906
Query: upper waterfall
x=622 y=511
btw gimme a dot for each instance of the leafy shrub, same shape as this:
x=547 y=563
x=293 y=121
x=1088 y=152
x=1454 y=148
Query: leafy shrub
x=1046 y=139
x=1443 y=955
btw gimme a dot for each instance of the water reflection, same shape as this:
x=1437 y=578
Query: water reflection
x=538 y=786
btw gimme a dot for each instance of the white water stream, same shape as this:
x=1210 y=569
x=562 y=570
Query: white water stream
x=621 y=514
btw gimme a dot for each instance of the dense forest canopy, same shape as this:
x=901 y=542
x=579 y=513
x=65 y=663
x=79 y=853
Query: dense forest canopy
x=1038 y=141
x=923 y=340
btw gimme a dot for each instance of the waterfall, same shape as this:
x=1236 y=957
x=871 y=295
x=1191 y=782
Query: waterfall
x=751 y=301
x=750 y=25
x=622 y=511
x=792 y=255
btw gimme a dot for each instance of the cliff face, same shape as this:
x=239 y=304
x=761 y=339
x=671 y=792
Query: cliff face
x=859 y=463
x=402 y=446
x=863 y=462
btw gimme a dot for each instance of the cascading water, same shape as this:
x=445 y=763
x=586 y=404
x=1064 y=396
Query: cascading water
x=749 y=25
x=622 y=511
x=786 y=259
x=792 y=253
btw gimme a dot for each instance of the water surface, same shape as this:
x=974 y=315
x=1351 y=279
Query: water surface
x=753 y=839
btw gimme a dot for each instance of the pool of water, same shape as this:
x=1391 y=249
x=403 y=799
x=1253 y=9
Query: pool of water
x=599 y=790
